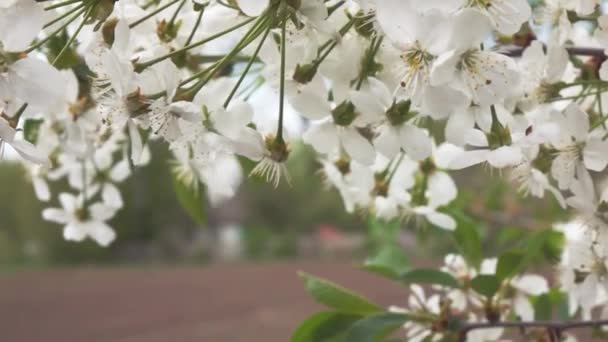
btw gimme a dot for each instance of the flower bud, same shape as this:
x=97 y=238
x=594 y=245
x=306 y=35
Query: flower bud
x=167 y=31
x=400 y=112
x=279 y=151
x=305 y=73
x=107 y=30
x=137 y=103
x=343 y=165
x=101 y=12
x=344 y=114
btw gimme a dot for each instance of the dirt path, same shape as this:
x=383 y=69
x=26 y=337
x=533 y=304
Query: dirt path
x=222 y=303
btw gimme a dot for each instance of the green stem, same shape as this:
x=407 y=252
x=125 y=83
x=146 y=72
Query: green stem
x=59 y=29
x=61 y=4
x=247 y=68
x=575 y=97
x=373 y=50
x=64 y=15
x=71 y=40
x=153 y=13
x=250 y=36
x=175 y=14
x=196 y=25
x=282 y=81
x=141 y=66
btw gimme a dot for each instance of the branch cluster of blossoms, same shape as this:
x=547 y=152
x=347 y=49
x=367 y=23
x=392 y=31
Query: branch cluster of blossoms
x=391 y=94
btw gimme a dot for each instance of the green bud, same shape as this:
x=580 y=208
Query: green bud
x=199 y=6
x=279 y=151
x=137 y=103
x=499 y=135
x=544 y=159
x=167 y=31
x=580 y=276
x=107 y=30
x=343 y=165
x=305 y=73
x=344 y=114
x=381 y=185
x=400 y=113
x=101 y=12
x=427 y=166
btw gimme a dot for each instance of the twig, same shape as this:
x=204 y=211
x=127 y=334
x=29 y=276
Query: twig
x=553 y=327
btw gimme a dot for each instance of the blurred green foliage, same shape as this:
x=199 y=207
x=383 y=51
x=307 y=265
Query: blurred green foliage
x=154 y=227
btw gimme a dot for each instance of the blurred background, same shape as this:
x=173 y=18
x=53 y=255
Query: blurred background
x=232 y=279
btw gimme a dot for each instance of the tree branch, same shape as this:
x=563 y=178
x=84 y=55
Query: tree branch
x=554 y=327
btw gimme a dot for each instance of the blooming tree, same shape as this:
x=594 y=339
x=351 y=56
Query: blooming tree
x=391 y=94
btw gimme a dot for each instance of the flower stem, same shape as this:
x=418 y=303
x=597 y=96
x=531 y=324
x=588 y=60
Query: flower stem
x=71 y=40
x=141 y=66
x=59 y=29
x=66 y=14
x=282 y=82
x=61 y=4
x=153 y=13
x=248 y=67
x=196 y=25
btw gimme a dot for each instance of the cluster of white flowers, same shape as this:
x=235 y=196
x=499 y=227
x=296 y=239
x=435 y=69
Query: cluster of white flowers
x=392 y=94
x=446 y=304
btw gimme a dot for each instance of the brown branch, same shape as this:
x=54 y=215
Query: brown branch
x=517 y=51
x=555 y=328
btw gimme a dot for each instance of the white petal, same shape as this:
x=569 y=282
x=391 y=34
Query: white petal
x=387 y=141
x=441 y=189
x=111 y=196
x=101 y=233
x=120 y=171
x=41 y=188
x=531 y=284
x=29 y=151
x=458 y=123
x=253 y=8
x=101 y=212
x=55 y=215
x=74 y=232
x=441 y=220
x=322 y=137
x=505 y=156
x=20 y=24
x=595 y=155
x=416 y=142
x=359 y=148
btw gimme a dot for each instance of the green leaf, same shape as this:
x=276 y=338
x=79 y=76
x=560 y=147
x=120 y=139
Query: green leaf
x=389 y=262
x=31 y=130
x=191 y=199
x=376 y=327
x=543 y=307
x=508 y=264
x=509 y=235
x=554 y=245
x=546 y=243
x=486 y=284
x=383 y=232
x=324 y=326
x=55 y=44
x=430 y=276
x=468 y=239
x=338 y=297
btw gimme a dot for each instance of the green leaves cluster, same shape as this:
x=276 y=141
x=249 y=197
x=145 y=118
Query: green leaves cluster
x=351 y=317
